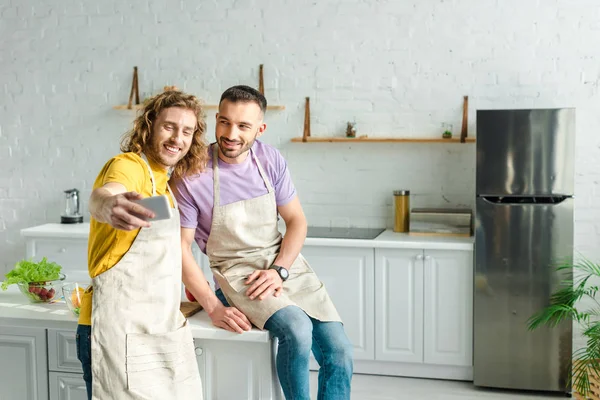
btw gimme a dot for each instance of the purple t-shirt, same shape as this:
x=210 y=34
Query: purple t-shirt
x=238 y=182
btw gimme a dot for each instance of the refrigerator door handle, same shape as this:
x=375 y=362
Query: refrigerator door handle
x=521 y=200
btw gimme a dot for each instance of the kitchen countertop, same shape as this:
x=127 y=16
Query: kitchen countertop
x=388 y=239
x=16 y=310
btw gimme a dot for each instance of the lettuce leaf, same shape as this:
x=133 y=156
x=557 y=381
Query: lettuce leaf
x=29 y=271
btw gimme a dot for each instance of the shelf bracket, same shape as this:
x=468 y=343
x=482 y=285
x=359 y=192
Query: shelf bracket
x=134 y=89
x=306 y=120
x=261 y=80
x=463 y=132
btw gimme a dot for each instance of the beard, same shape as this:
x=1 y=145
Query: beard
x=235 y=153
x=159 y=154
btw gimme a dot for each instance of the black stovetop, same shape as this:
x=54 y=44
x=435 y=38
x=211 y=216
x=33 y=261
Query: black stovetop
x=343 y=233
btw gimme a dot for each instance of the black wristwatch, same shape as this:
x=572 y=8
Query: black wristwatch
x=283 y=273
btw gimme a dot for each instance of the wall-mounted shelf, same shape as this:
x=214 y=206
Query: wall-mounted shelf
x=332 y=139
x=206 y=106
x=138 y=106
x=306 y=138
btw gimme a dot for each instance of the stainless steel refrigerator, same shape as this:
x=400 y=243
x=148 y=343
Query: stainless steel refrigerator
x=523 y=229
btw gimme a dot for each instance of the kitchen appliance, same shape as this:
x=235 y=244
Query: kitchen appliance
x=441 y=221
x=343 y=233
x=523 y=229
x=72 y=212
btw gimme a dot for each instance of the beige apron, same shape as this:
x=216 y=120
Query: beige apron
x=142 y=346
x=244 y=238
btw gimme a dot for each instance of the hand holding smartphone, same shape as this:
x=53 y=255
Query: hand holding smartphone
x=159 y=205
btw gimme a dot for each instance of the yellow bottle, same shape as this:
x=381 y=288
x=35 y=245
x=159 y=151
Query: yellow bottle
x=401 y=210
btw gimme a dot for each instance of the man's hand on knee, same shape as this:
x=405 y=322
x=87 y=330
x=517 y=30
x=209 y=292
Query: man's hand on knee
x=264 y=283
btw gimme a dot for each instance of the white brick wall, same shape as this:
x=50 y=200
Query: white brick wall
x=397 y=67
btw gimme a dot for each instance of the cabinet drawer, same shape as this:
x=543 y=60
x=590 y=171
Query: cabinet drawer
x=67 y=386
x=70 y=254
x=62 y=351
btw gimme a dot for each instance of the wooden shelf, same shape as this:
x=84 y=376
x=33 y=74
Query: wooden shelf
x=341 y=139
x=206 y=106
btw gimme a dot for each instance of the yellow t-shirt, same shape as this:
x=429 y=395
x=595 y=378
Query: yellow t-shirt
x=107 y=245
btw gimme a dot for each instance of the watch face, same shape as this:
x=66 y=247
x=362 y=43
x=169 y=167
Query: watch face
x=283 y=273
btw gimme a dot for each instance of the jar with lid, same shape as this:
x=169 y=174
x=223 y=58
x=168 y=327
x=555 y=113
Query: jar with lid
x=401 y=210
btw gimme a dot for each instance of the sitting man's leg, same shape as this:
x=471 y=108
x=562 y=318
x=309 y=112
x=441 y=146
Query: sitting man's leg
x=333 y=351
x=293 y=329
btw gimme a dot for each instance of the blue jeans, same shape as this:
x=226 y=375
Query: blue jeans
x=84 y=354
x=297 y=334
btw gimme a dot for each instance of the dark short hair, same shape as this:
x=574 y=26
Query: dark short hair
x=246 y=94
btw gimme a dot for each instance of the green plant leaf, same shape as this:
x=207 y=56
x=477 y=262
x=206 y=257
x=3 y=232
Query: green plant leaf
x=29 y=271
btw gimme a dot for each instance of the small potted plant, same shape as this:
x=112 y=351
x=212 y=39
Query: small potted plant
x=565 y=305
x=447 y=128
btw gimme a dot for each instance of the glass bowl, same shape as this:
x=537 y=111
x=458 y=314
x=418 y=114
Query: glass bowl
x=41 y=292
x=73 y=294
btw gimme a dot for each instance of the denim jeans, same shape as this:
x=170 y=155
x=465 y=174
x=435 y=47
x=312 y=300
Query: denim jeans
x=84 y=354
x=297 y=334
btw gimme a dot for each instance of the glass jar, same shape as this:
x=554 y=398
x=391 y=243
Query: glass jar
x=401 y=210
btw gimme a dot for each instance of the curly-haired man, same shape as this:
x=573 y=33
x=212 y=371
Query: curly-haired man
x=132 y=340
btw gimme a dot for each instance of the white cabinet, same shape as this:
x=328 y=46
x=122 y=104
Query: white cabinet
x=66 y=386
x=424 y=306
x=65 y=372
x=23 y=365
x=248 y=364
x=448 y=289
x=399 y=305
x=348 y=275
x=71 y=254
x=62 y=351
x=407 y=311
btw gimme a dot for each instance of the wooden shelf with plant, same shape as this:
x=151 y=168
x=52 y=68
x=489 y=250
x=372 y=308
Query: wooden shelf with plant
x=446 y=136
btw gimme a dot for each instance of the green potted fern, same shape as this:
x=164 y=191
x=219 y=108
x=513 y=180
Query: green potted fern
x=563 y=306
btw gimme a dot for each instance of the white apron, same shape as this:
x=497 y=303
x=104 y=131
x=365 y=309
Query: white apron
x=142 y=346
x=244 y=238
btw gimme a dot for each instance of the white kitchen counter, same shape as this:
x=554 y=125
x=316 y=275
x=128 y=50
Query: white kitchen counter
x=388 y=239
x=359 y=275
x=66 y=231
x=16 y=310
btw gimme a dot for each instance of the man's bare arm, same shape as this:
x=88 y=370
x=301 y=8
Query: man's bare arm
x=229 y=318
x=112 y=204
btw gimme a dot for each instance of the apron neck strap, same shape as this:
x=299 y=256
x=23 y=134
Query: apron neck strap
x=216 y=182
x=151 y=173
x=262 y=172
x=216 y=191
x=154 y=181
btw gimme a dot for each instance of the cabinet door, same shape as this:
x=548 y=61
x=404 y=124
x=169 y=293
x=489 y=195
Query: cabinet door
x=62 y=351
x=67 y=386
x=348 y=275
x=399 y=305
x=448 y=307
x=232 y=370
x=23 y=364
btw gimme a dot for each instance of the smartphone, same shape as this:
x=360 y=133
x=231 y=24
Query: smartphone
x=159 y=205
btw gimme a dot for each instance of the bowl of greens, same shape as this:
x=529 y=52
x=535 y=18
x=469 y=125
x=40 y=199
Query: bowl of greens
x=38 y=281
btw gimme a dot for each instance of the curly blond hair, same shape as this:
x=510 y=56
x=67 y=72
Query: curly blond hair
x=139 y=136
